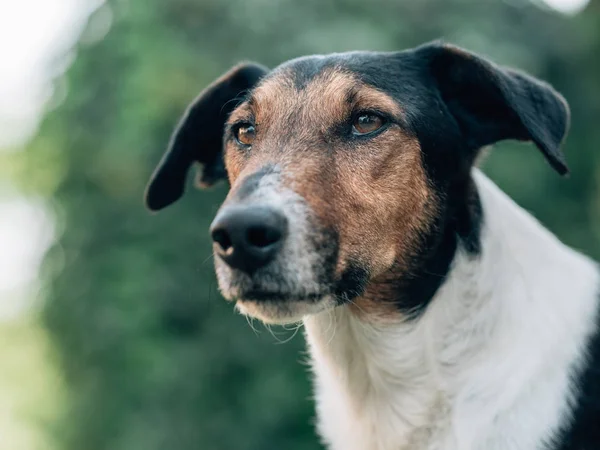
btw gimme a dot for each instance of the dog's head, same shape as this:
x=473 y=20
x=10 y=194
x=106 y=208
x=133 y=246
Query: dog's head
x=349 y=170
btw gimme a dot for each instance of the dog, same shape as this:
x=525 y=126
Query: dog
x=439 y=314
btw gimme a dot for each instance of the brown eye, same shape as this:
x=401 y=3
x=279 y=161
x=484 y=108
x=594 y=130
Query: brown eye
x=366 y=123
x=245 y=134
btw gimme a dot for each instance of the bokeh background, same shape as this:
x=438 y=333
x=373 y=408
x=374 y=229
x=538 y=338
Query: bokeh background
x=112 y=332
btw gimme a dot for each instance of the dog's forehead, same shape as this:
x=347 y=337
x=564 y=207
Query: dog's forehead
x=303 y=76
x=338 y=77
x=368 y=67
x=333 y=82
x=301 y=72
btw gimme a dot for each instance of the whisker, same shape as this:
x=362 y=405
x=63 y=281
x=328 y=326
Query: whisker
x=332 y=325
x=208 y=258
x=269 y=329
x=240 y=98
x=298 y=326
x=250 y=321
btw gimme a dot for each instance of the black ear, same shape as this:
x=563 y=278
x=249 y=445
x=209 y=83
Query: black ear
x=492 y=103
x=199 y=137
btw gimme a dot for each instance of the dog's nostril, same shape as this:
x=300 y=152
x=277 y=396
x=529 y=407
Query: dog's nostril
x=247 y=238
x=263 y=236
x=222 y=238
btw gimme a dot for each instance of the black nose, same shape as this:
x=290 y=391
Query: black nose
x=248 y=237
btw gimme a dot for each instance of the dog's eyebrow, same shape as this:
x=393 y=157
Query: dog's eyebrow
x=351 y=95
x=244 y=107
x=370 y=97
x=250 y=99
x=239 y=100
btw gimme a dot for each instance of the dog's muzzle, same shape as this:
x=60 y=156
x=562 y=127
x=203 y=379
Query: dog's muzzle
x=272 y=256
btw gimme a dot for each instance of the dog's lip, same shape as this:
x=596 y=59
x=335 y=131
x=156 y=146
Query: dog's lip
x=263 y=295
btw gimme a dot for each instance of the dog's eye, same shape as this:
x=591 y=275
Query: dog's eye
x=245 y=134
x=366 y=123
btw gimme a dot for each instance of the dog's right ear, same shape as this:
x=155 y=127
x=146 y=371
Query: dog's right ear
x=199 y=137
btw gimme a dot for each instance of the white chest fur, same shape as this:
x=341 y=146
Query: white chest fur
x=486 y=367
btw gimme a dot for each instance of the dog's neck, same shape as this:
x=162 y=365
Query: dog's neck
x=488 y=343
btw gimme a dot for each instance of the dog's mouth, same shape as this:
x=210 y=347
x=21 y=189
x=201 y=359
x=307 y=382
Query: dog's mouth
x=279 y=308
x=258 y=295
x=281 y=295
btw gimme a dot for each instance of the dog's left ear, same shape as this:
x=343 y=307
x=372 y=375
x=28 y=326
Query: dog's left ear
x=199 y=137
x=491 y=103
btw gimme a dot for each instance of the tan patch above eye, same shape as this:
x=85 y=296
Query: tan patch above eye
x=370 y=98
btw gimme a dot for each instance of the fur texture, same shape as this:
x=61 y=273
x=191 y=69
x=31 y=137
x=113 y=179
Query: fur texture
x=489 y=364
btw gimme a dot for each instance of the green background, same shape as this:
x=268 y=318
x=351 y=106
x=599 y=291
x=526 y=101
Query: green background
x=146 y=353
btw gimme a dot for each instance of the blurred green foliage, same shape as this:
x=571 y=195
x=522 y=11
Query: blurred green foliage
x=153 y=358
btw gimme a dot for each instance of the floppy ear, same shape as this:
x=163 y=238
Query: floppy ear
x=491 y=103
x=199 y=137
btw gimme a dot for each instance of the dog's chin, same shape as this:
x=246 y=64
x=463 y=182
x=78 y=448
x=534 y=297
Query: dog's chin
x=283 y=311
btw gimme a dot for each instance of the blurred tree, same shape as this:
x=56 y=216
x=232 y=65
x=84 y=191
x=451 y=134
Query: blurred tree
x=153 y=357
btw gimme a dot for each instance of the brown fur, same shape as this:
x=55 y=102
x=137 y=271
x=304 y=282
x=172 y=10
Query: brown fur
x=374 y=193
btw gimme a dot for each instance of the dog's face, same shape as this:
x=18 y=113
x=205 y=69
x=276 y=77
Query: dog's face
x=332 y=155
x=348 y=170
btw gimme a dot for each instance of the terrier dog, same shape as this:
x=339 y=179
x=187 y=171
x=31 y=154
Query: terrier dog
x=439 y=314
